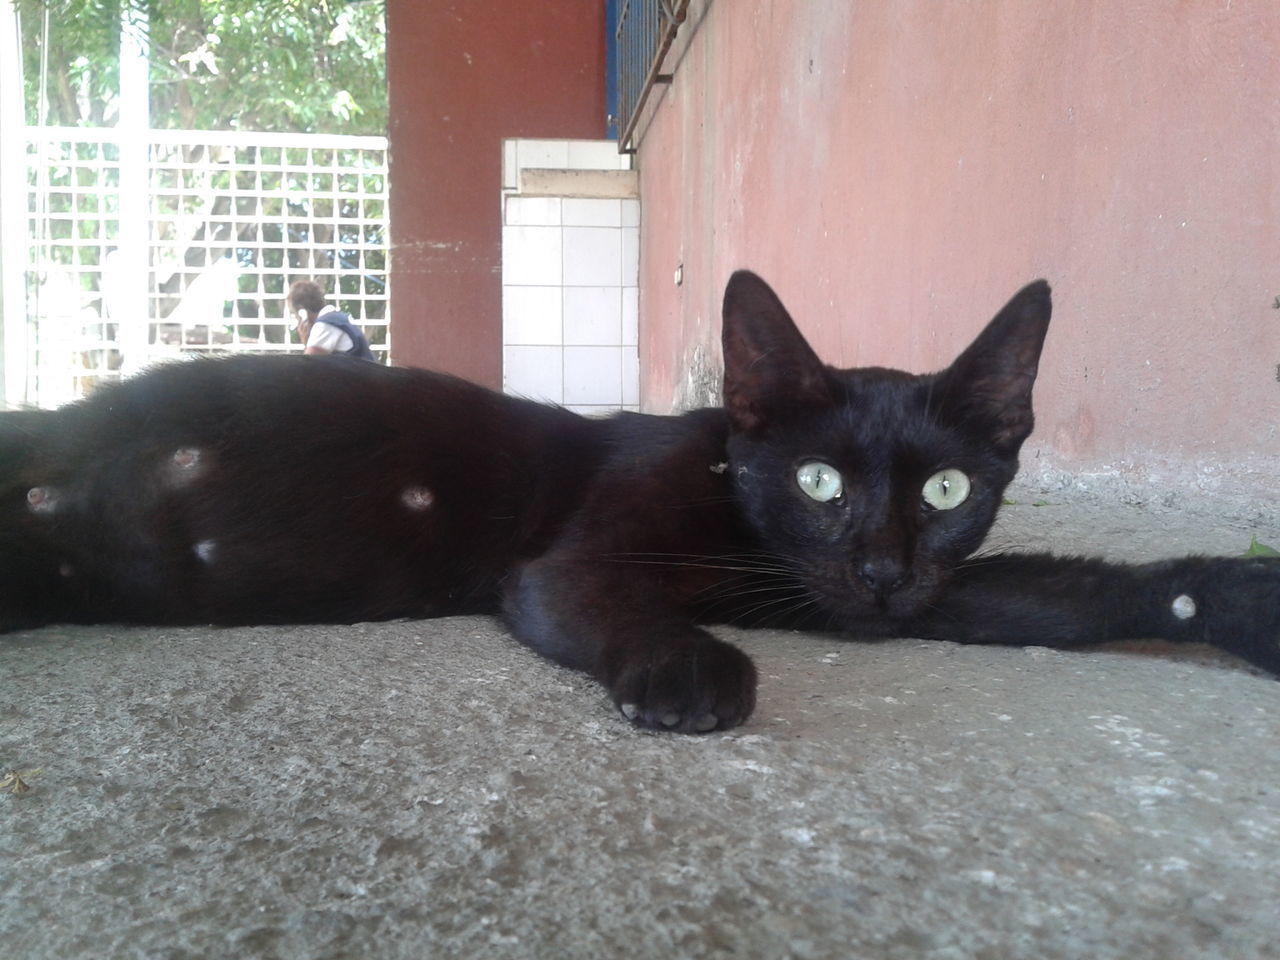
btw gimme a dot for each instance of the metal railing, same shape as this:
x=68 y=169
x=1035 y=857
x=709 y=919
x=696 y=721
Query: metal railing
x=228 y=221
x=644 y=34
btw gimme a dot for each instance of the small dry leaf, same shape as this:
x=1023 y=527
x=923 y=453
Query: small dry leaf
x=15 y=781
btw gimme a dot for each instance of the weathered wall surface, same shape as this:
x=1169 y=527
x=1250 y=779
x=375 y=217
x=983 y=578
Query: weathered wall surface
x=461 y=76
x=897 y=170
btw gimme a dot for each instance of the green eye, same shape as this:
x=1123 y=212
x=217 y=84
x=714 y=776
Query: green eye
x=819 y=481
x=946 y=489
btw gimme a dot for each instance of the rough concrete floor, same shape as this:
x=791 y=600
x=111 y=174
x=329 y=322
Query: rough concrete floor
x=431 y=789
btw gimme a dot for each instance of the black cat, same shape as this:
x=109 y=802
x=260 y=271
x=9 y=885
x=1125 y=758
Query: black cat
x=312 y=489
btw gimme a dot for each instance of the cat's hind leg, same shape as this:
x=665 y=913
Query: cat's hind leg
x=33 y=587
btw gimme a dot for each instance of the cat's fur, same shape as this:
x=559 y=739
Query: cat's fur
x=296 y=489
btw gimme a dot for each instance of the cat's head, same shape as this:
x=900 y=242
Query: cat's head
x=872 y=484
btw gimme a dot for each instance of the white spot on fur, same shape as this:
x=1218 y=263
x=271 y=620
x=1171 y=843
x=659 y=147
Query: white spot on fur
x=186 y=457
x=417 y=498
x=719 y=467
x=184 y=466
x=205 y=550
x=42 y=499
x=1184 y=608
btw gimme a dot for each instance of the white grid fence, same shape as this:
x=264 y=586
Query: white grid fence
x=197 y=255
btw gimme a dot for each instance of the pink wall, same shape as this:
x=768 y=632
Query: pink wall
x=898 y=169
x=461 y=76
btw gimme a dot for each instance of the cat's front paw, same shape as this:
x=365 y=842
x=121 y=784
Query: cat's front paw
x=693 y=685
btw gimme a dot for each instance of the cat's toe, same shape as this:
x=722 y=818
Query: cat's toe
x=686 y=688
x=706 y=723
x=703 y=724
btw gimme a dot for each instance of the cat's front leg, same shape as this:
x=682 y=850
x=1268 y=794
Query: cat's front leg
x=622 y=627
x=688 y=682
x=1231 y=603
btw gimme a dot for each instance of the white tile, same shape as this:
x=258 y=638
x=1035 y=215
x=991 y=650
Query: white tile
x=593 y=257
x=553 y=154
x=592 y=213
x=532 y=211
x=510 y=175
x=593 y=375
x=630 y=265
x=631 y=376
x=531 y=315
x=592 y=316
x=630 y=213
x=630 y=316
x=534 y=372
x=531 y=256
x=593 y=155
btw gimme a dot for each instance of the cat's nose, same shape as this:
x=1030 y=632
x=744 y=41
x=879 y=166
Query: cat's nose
x=882 y=577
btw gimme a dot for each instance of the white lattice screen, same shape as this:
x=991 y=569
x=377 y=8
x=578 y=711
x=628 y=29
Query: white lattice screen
x=231 y=220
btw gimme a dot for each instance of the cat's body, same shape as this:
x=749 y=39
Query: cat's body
x=294 y=489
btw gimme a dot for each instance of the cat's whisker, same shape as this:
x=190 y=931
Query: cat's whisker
x=746 y=563
x=748 y=576
x=777 y=610
x=752 y=581
x=936 y=610
x=788 y=591
x=772 y=589
x=697 y=556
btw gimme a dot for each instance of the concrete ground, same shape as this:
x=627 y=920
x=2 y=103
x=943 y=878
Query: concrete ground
x=431 y=789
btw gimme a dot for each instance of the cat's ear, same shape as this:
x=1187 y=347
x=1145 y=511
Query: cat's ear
x=769 y=367
x=989 y=385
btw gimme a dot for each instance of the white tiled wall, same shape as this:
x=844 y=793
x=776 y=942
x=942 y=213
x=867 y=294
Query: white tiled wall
x=569 y=271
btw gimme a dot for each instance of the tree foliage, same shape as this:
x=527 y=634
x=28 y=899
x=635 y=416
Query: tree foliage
x=315 y=66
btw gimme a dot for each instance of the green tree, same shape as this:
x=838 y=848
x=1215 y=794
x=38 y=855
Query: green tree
x=315 y=66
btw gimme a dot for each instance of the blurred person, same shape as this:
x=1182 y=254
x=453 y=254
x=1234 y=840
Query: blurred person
x=322 y=327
